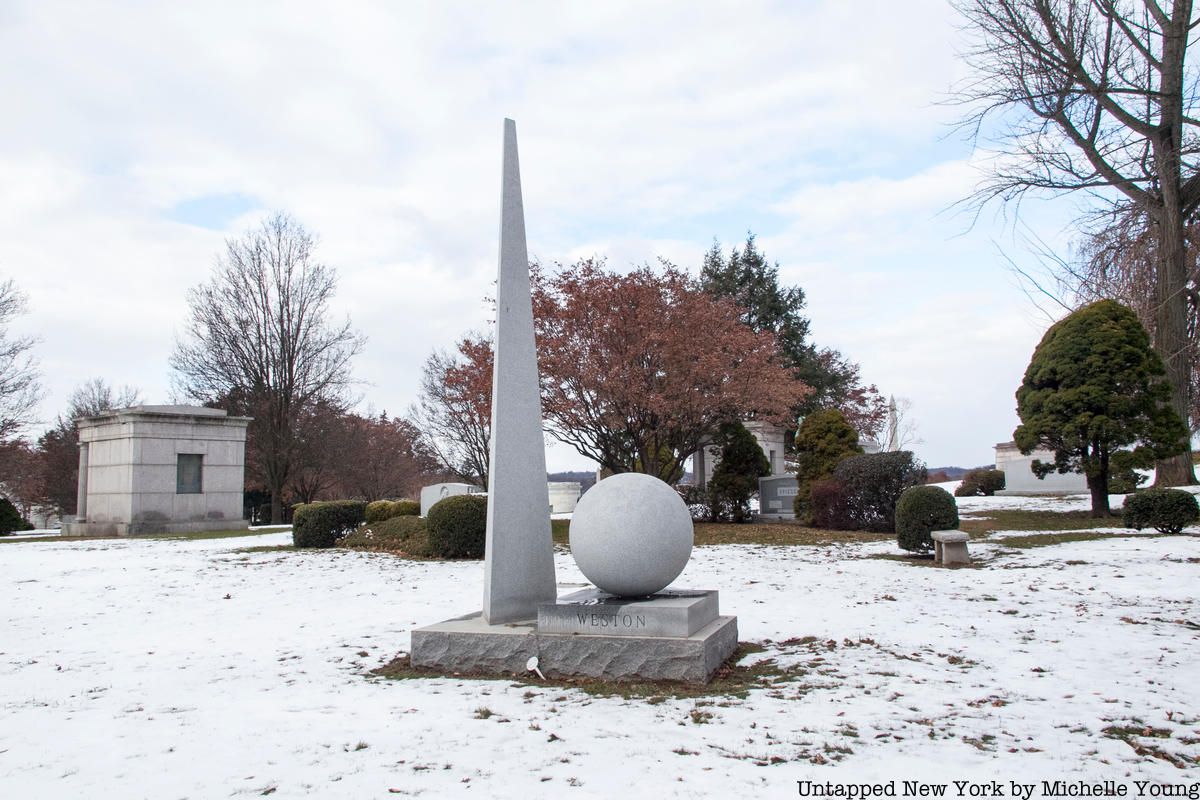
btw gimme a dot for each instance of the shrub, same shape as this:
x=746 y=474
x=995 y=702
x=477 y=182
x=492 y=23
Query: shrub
x=379 y=510
x=1165 y=510
x=10 y=518
x=980 y=483
x=322 y=524
x=827 y=505
x=873 y=483
x=695 y=498
x=405 y=534
x=458 y=526
x=823 y=440
x=406 y=508
x=921 y=510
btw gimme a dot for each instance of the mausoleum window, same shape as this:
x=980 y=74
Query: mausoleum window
x=187 y=473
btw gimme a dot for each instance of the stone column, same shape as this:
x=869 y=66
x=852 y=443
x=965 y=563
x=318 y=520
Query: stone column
x=519 y=564
x=81 y=498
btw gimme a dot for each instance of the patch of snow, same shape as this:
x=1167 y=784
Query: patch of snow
x=176 y=668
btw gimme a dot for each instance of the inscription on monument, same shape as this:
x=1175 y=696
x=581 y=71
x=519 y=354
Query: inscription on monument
x=602 y=620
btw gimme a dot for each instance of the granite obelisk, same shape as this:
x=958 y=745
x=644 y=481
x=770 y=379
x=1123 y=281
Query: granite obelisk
x=519 y=564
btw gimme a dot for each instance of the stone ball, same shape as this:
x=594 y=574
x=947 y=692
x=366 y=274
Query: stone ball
x=631 y=535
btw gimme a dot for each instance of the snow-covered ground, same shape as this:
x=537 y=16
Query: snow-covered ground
x=173 y=668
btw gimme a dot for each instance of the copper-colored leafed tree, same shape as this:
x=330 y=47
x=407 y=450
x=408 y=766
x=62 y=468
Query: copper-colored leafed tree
x=638 y=369
x=454 y=410
x=384 y=458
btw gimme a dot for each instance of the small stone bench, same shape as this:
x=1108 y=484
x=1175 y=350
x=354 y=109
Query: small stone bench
x=950 y=547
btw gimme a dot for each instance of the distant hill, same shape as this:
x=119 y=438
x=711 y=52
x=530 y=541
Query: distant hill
x=953 y=473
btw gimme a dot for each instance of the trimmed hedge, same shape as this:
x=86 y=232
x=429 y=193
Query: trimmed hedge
x=379 y=510
x=458 y=526
x=827 y=505
x=980 y=483
x=322 y=524
x=1165 y=510
x=871 y=485
x=920 y=511
x=404 y=535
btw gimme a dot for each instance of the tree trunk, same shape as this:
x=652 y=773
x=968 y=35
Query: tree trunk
x=1098 y=486
x=1171 y=338
x=1170 y=324
x=276 y=505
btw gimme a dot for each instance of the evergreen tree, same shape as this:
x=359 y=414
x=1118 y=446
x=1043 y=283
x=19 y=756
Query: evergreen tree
x=748 y=279
x=10 y=518
x=752 y=282
x=735 y=477
x=1093 y=388
x=823 y=440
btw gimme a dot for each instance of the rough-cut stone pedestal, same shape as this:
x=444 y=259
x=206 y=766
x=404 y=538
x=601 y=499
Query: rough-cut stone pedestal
x=677 y=635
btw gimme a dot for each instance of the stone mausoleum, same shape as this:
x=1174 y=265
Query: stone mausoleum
x=160 y=469
x=1020 y=480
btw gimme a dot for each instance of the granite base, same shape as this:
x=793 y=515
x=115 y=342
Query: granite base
x=468 y=645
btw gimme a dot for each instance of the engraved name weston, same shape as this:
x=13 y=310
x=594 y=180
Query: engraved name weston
x=602 y=620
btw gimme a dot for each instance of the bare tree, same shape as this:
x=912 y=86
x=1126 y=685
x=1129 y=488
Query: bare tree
x=58 y=448
x=1096 y=96
x=95 y=395
x=900 y=429
x=260 y=339
x=1118 y=260
x=20 y=389
x=454 y=409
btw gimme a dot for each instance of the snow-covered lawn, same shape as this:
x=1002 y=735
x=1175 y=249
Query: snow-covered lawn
x=177 y=669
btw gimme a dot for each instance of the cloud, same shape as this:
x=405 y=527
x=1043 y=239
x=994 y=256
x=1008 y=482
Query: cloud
x=138 y=139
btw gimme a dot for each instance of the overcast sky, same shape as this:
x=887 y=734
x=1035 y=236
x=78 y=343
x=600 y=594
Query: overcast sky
x=137 y=138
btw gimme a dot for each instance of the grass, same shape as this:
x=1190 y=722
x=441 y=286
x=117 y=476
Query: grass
x=1023 y=520
x=1044 y=540
x=184 y=536
x=924 y=560
x=768 y=533
x=407 y=536
x=266 y=548
x=779 y=533
x=216 y=534
x=1046 y=527
x=730 y=680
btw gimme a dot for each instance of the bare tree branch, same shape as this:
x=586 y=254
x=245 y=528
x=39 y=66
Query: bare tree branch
x=260 y=340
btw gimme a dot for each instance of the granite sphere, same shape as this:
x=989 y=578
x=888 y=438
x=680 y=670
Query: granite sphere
x=631 y=535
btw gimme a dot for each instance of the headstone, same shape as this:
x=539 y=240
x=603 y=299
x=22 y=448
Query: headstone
x=519 y=562
x=563 y=496
x=430 y=495
x=777 y=497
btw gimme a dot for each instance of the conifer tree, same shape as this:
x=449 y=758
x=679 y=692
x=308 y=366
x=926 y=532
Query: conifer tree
x=735 y=477
x=1095 y=394
x=823 y=440
x=752 y=282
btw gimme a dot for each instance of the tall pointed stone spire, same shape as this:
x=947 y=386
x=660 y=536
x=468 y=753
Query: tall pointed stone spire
x=893 y=426
x=519 y=565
